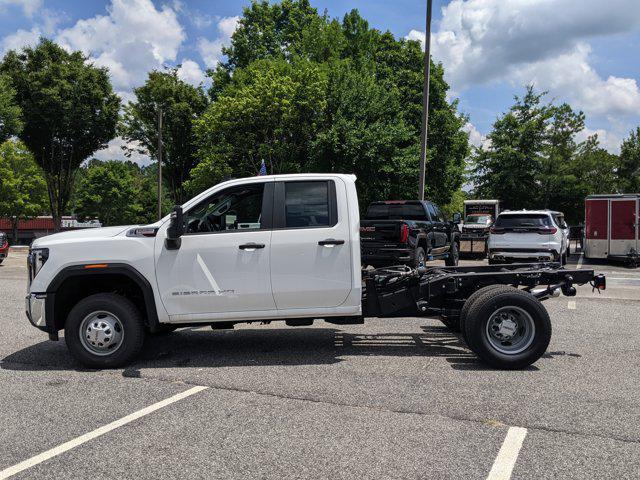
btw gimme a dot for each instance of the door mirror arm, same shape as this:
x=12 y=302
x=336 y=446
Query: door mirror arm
x=175 y=229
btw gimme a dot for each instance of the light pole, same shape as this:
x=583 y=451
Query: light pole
x=425 y=102
x=159 y=162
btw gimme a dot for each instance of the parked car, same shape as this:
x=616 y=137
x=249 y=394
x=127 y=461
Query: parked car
x=526 y=235
x=4 y=246
x=407 y=232
x=266 y=248
x=479 y=216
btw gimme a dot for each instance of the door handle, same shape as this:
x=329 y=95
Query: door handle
x=251 y=246
x=330 y=242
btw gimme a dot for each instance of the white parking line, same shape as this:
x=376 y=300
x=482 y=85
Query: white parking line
x=580 y=261
x=7 y=472
x=571 y=305
x=508 y=454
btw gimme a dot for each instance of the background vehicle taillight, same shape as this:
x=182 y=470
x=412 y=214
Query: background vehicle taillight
x=404 y=233
x=547 y=231
x=496 y=231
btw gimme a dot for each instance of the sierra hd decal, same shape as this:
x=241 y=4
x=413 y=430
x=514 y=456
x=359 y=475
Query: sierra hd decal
x=215 y=289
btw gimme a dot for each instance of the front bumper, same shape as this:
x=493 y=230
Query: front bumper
x=35 y=310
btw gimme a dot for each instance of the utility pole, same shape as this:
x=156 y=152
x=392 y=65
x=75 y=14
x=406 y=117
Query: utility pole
x=159 y=162
x=425 y=102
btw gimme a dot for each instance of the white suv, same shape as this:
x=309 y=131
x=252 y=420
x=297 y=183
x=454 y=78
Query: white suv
x=525 y=235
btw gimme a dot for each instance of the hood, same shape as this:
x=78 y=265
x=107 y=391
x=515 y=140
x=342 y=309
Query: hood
x=81 y=234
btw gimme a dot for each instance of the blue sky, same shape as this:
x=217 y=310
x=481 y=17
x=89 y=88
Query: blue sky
x=585 y=52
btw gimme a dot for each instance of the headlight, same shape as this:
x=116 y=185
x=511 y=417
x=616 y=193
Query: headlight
x=36 y=259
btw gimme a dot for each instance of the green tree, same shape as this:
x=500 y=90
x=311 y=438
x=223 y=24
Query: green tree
x=181 y=103
x=109 y=191
x=557 y=173
x=69 y=111
x=293 y=32
x=22 y=185
x=362 y=132
x=628 y=171
x=509 y=168
x=268 y=112
x=10 y=121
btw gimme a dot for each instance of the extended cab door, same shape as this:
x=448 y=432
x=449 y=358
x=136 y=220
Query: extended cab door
x=310 y=245
x=222 y=264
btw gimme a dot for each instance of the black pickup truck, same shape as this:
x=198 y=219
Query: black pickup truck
x=410 y=232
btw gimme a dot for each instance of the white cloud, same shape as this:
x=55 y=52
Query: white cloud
x=191 y=72
x=114 y=151
x=211 y=50
x=475 y=137
x=132 y=39
x=29 y=7
x=544 y=42
x=20 y=39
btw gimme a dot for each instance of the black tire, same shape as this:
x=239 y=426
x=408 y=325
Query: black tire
x=131 y=322
x=464 y=312
x=419 y=256
x=453 y=257
x=494 y=262
x=563 y=259
x=477 y=332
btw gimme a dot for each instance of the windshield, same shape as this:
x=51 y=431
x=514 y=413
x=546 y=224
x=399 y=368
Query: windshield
x=525 y=220
x=478 y=219
x=396 y=211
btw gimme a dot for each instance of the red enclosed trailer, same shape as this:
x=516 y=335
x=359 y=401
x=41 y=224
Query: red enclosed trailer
x=611 y=226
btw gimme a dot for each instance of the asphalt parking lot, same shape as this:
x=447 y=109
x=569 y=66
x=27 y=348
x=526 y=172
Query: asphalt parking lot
x=395 y=398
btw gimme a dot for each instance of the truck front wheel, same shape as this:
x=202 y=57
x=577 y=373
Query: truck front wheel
x=508 y=328
x=104 y=331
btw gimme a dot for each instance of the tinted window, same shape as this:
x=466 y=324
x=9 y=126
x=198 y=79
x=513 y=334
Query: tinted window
x=306 y=204
x=527 y=220
x=395 y=211
x=478 y=219
x=234 y=208
x=432 y=212
x=438 y=214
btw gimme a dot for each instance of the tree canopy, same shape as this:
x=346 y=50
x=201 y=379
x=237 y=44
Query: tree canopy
x=69 y=111
x=10 y=113
x=22 y=185
x=181 y=105
x=328 y=96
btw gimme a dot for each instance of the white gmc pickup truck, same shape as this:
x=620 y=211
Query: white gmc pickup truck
x=267 y=248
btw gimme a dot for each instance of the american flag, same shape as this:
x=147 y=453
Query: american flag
x=263 y=169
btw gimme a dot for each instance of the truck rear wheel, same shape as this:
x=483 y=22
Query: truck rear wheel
x=507 y=328
x=464 y=313
x=104 y=331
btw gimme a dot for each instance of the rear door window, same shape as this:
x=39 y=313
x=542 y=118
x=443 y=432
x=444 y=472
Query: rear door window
x=396 y=211
x=432 y=212
x=309 y=204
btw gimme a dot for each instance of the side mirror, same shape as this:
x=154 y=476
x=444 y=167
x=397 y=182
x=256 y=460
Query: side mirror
x=176 y=229
x=457 y=218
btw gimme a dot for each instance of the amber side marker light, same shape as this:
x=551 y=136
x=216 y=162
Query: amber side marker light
x=97 y=265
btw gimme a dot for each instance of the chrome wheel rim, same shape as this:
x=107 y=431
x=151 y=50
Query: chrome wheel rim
x=101 y=333
x=510 y=330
